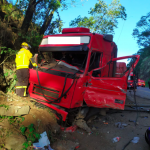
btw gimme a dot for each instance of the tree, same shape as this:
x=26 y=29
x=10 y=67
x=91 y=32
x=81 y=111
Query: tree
x=48 y=8
x=142 y=31
x=35 y=18
x=142 y=34
x=103 y=17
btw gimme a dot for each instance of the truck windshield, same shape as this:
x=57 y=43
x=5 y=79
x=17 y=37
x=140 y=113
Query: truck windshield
x=77 y=59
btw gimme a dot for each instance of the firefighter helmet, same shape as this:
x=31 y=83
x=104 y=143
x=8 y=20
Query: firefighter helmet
x=25 y=44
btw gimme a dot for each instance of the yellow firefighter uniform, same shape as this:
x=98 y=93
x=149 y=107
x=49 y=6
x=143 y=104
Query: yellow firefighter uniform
x=23 y=59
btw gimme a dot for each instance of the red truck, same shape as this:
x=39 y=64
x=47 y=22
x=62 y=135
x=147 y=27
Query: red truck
x=141 y=83
x=132 y=81
x=79 y=71
x=120 y=69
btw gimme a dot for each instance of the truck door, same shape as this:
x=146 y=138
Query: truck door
x=108 y=92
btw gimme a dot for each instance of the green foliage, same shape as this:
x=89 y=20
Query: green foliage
x=142 y=31
x=5 y=106
x=23 y=129
x=2 y=146
x=31 y=135
x=8 y=51
x=33 y=38
x=142 y=35
x=12 y=119
x=103 y=17
x=12 y=82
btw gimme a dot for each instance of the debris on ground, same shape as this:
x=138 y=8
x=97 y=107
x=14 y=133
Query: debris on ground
x=132 y=121
x=94 y=129
x=145 y=117
x=43 y=141
x=135 y=140
x=69 y=129
x=90 y=133
x=116 y=139
x=82 y=124
x=65 y=145
x=121 y=125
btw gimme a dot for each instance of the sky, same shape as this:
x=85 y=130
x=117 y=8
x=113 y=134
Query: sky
x=135 y=9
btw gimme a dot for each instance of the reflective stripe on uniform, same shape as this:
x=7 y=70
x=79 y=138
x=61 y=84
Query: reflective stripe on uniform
x=23 y=58
x=25 y=92
x=20 y=87
x=22 y=65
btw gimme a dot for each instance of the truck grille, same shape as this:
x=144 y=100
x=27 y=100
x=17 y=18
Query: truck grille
x=54 y=94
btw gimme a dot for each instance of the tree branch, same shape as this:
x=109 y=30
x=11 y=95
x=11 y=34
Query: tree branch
x=6 y=59
x=38 y=2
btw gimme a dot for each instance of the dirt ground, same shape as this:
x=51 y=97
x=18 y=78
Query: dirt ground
x=104 y=130
x=103 y=127
x=42 y=118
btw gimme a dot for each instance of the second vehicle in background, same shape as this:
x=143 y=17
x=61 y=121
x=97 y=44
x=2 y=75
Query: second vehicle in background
x=141 y=83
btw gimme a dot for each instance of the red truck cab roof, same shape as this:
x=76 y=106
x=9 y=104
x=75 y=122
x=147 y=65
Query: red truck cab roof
x=80 y=39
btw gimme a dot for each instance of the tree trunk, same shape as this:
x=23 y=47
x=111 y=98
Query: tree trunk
x=2 y=77
x=28 y=16
x=46 y=23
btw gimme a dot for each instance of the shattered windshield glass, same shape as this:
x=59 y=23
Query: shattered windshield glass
x=77 y=59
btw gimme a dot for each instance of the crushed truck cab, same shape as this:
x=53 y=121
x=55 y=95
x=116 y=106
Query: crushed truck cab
x=79 y=70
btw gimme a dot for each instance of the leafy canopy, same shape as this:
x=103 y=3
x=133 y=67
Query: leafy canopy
x=142 y=31
x=142 y=34
x=103 y=17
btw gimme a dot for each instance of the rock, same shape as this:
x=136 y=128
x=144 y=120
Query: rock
x=65 y=145
x=55 y=128
x=14 y=111
x=137 y=123
x=94 y=129
x=14 y=141
x=82 y=124
x=91 y=119
x=103 y=112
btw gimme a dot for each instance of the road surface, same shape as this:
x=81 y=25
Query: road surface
x=143 y=92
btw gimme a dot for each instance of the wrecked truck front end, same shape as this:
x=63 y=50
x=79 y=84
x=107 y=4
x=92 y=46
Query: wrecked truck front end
x=61 y=69
x=79 y=70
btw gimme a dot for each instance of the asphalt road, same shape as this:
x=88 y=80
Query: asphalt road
x=143 y=92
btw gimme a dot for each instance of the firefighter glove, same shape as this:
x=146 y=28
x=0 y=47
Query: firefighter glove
x=34 y=64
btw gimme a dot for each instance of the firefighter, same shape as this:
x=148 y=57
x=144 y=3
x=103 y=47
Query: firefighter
x=23 y=59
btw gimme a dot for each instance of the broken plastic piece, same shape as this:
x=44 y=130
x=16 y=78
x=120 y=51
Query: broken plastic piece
x=43 y=141
x=120 y=125
x=76 y=147
x=135 y=140
x=116 y=139
x=69 y=129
